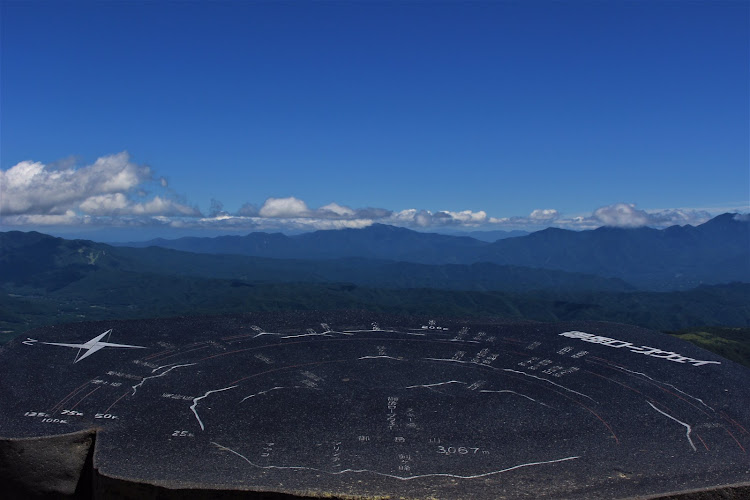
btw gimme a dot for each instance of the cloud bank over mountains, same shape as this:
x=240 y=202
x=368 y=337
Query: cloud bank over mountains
x=113 y=186
x=115 y=192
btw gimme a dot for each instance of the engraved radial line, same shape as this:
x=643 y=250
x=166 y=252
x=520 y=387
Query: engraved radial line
x=306 y=335
x=408 y=478
x=265 y=333
x=287 y=368
x=450 y=360
x=180 y=353
x=287 y=344
x=549 y=382
x=512 y=371
x=262 y=392
x=726 y=417
x=87 y=395
x=689 y=429
x=116 y=401
x=195 y=403
x=735 y=439
x=71 y=395
x=670 y=385
x=702 y=442
x=428 y=386
x=518 y=394
x=136 y=386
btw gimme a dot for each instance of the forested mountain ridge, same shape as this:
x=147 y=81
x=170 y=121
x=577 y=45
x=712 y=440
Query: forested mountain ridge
x=678 y=257
x=45 y=280
x=675 y=258
x=42 y=261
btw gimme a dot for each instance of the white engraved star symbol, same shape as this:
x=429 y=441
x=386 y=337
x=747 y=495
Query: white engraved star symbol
x=93 y=345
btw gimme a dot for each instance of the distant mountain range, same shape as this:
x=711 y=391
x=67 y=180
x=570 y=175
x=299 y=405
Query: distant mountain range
x=377 y=241
x=488 y=236
x=38 y=260
x=46 y=280
x=675 y=258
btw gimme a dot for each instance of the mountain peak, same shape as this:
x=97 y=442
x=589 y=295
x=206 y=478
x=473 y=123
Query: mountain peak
x=383 y=228
x=727 y=219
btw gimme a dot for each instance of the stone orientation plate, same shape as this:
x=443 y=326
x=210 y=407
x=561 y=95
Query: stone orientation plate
x=354 y=405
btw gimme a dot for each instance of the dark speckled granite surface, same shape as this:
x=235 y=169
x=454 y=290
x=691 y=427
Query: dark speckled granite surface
x=355 y=405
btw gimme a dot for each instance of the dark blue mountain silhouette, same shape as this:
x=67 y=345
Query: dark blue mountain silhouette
x=678 y=257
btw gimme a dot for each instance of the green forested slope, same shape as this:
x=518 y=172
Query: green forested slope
x=104 y=294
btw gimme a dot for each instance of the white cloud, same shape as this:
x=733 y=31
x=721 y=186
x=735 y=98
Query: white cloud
x=544 y=214
x=672 y=217
x=467 y=216
x=104 y=204
x=423 y=218
x=405 y=215
x=284 y=207
x=69 y=218
x=35 y=188
x=119 y=204
x=627 y=215
x=498 y=220
x=110 y=186
x=238 y=223
x=426 y=218
x=337 y=210
x=114 y=191
x=621 y=215
x=615 y=215
x=162 y=206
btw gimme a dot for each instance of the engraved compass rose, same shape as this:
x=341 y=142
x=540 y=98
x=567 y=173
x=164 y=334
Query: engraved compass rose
x=93 y=345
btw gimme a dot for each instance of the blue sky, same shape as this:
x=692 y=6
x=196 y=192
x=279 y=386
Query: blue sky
x=431 y=115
